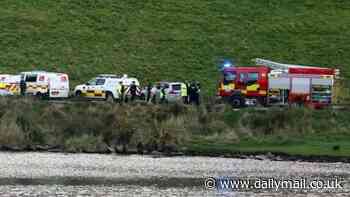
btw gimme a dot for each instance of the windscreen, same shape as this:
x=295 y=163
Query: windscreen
x=230 y=76
x=176 y=87
x=31 y=78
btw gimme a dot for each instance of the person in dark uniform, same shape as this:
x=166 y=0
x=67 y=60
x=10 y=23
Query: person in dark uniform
x=192 y=90
x=133 y=91
x=148 y=92
x=194 y=93
x=23 y=87
x=163 y=96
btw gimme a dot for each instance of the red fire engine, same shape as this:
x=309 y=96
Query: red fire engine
x=275 y=83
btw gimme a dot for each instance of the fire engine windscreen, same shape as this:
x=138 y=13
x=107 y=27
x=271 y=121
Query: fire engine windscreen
x=229 y=76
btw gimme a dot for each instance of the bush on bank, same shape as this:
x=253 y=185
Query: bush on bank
x=100 y=127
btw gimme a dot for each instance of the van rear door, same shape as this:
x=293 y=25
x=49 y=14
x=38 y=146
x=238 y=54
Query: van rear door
x=174 y=91
x=59 y=86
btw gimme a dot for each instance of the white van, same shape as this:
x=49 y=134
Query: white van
x=172 y=90
x=100 y=87
x=42 y=83
x=104 y=86
x=127 y=81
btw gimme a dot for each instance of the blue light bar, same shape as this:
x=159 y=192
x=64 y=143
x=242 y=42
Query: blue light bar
x=226 y=63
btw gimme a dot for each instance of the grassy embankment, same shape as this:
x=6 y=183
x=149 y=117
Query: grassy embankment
x=170 y=40
x=209 y=130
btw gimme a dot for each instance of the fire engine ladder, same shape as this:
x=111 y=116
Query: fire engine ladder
x=284 y=67
x=277 y=66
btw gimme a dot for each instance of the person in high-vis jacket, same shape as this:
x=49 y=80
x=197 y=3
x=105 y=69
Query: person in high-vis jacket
x=121 y=90
x=184 y=92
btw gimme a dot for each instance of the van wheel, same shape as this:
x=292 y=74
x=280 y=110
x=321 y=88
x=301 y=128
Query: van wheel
x=109 y=97
x=78 y=94
x=39 y=95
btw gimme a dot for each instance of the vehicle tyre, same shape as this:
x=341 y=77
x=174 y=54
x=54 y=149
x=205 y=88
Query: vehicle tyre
x=78 y=94
x=262 y=102
x=109 y=97
x=237 y=102
x=39 y=95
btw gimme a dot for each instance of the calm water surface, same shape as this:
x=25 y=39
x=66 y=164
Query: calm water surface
x=52 y=174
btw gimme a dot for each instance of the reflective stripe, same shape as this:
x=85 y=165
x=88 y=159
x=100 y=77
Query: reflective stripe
x=253 y=87
x=94 y=93
x=262 y=92
x=229 y=87
x=326 y=77
x=119 y=89
x=34 y=86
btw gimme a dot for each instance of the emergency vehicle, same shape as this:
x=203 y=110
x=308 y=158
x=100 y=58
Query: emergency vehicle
x=275 y=83
x=9 y=84
x=46 y=84
x=172 y=90
x=104 y=86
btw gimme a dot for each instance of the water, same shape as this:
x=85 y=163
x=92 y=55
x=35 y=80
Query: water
x=52 y=174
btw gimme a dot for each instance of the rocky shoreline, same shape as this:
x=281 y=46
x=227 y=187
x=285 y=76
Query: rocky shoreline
x=277 y=156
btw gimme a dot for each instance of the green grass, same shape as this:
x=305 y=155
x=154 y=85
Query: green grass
x=294 y=132
x=172 y=40
x=312 y=145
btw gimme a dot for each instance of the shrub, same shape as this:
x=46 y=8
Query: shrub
x=217 y=126
x=11 y=133
x=85 y=143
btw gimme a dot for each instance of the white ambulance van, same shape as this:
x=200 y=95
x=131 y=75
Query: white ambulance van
x=49 y=84
x=101 y=87
x=104 y=86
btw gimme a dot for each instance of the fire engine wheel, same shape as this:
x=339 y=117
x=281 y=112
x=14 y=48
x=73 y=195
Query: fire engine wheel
x=109 y=97
x=237 y=102
x=261 y=102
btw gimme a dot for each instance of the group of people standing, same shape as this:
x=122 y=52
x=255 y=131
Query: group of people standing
x=190 y=92
x=131 y=90
x=156 y=93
